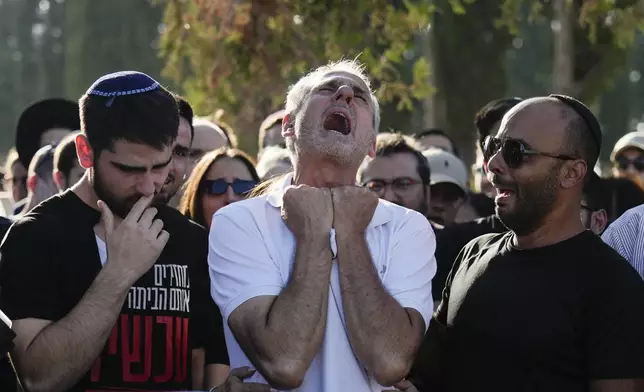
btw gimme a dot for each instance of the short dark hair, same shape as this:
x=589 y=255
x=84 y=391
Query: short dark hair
x=185 y=111
x=621 y=194
x=594 y=193
x=490 y=114
x=65 y=154
x=438 y=132
x=388 y=144
x=150 y=118
x=579 y=139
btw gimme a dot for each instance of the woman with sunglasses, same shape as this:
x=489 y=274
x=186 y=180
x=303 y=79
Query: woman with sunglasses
x=221 y=177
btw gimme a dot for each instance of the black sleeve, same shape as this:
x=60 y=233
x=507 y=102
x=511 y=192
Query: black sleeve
x=614 y=320
x=207 y=324
x=28 y=285
x=427 y=373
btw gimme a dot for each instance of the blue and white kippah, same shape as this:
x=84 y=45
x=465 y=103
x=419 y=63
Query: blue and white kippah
x=122 y=83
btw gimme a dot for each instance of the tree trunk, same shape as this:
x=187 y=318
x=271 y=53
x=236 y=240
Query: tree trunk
x=564 y=48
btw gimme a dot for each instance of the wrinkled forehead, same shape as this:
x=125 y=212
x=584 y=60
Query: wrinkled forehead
x=343 y=77
x=540 y=125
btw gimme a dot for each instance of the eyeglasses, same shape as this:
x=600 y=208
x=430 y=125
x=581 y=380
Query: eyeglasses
x=623 y=163
x=220 y=186
x=398 y=185
x=514 y=151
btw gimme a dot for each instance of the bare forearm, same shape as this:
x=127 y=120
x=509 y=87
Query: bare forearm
x=294 y=327
x=65 y=350
x=381 y=332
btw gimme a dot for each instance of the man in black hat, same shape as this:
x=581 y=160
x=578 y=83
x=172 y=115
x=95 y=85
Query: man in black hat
x=45 y=122
x=105 y=289
x=546 y=306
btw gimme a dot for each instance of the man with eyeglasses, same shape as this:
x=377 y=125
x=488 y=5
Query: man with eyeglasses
x=628 y=157
x=546 y=306
x=397 y=173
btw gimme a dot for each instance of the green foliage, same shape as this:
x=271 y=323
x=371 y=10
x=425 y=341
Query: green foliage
x=622 y=18
x=241 y=55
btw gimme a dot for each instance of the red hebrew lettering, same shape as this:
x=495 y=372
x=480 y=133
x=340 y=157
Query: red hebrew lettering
x=133 y=355
x=167 y=374
x=182 y=348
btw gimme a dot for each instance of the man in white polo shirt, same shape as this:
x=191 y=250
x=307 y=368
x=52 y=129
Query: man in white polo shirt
x=324 y=287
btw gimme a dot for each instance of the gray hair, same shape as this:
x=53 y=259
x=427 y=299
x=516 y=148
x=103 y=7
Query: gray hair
x=298 y=92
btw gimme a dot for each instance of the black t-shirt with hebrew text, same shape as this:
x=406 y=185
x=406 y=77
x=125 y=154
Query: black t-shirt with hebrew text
x=49 y=260
x=548 y=319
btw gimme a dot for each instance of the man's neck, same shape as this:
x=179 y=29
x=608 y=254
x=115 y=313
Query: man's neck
x=561 y=224
x=83 y=189
x=323 y=174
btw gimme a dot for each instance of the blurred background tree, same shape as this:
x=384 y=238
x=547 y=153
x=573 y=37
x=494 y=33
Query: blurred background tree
x=241 y=55
x=434 y=62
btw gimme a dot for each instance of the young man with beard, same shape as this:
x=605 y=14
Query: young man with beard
x=100 y=284
x=323 y=286
x=546 y=306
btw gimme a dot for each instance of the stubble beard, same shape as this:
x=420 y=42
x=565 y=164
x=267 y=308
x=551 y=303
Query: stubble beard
x=533 y=203
x=343 y=149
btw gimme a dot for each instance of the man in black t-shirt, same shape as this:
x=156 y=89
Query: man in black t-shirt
x=105 y=300
x=546 y=306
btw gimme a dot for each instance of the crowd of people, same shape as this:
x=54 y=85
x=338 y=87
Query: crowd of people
x=143 y=251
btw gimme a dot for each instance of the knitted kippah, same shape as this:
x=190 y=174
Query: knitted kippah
x=121 y=84
x=586 y=114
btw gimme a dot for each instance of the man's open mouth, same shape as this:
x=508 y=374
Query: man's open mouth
x=337 y=121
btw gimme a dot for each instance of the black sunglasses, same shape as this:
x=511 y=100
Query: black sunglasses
x=220 y=186
x=513 y=151
x=623 y=163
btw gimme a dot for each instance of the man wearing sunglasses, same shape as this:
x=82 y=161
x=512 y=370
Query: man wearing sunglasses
x=546 y=306
x=628 y=157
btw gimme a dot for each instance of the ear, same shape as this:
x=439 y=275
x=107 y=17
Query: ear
x=288 y=129
x=59 y=180
x=372 y=149
x=32 y=181
x=575 y=173
x=84 y=152
x=598 y=221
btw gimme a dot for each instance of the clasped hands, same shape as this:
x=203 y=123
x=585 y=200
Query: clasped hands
x=312 y=212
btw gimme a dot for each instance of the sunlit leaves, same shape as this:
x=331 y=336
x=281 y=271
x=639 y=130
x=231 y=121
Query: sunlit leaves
x=241 y=55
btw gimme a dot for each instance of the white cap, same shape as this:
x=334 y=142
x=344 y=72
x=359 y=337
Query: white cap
x=630 y=140
x=446 y=168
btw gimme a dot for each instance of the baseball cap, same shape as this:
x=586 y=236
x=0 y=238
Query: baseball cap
x=446 y=168
x=631 y=139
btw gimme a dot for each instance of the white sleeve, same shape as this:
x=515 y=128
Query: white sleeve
x=5 y=319
x=239 y=262
x=613 y=238
x=412 y=265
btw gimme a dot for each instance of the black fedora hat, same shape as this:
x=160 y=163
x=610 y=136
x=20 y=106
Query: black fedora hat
x=39 y=118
